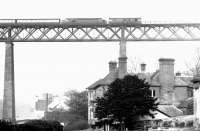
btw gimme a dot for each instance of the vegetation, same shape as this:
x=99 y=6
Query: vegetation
x=78 y=125
x=76 y=117
x=78 y=103
x=125 y=102
x=33 y=125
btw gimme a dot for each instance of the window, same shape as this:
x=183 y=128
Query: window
x=153 y=93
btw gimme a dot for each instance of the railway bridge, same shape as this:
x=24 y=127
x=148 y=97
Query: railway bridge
x=121 y=30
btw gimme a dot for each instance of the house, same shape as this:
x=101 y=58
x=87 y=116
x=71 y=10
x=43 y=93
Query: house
x=170 y=88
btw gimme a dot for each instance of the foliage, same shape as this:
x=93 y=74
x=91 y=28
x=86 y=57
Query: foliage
x=5 y=126
x=167 y=124
x=64 y=116
x=182 y=124
x=33 y=125
x=194 y=65
x=189 y=123
x=77 y=125
x=78 y=103
x=125 y=101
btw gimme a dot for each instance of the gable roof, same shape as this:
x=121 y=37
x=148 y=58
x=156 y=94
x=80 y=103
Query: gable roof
x=179 y=82
x=109 y=78
x=183 y=81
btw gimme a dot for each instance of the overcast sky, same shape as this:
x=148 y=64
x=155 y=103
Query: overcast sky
x=58 y=67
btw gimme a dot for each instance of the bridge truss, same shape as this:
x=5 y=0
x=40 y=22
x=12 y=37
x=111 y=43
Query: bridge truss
x=63 y=32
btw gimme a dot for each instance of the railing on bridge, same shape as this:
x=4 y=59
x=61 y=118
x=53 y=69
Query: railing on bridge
x=16 y=21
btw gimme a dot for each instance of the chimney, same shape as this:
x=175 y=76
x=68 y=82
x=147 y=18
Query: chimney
x=178 y=73
x=112 y=66
x=166 y=78
x=143 y=67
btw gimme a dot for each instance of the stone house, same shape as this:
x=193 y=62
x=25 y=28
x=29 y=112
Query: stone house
x=170 y=88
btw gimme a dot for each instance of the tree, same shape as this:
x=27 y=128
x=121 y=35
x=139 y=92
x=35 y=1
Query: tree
x=125 y=101
x=134 y=65
x=78 y=103
x=194 y=66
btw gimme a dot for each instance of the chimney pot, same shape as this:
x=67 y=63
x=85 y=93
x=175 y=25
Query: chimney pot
x=178 y=73
x=143 y=67
x=112 y=66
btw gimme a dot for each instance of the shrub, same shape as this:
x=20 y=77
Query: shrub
x=45 y=125
x=182 y=124
x=77 y=125
x=33 y=125
x=167 y=123
x=5 y=126
x=189 y=124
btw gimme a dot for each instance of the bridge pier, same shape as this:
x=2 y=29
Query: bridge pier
x=122 y=55
x=9 y=86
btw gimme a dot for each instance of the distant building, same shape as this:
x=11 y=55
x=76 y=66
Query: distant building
x=58 y=104
x=42 y=103
x=170 y=88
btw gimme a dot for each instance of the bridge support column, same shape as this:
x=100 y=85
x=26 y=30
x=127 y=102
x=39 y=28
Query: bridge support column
x=9 y=88
x=122 y=56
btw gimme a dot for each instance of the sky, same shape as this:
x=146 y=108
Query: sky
x=59 y=67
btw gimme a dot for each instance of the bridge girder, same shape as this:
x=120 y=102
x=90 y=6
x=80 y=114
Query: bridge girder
x=58 y=32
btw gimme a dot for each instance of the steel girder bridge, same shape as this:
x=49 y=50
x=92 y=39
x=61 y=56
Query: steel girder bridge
x=55 y=30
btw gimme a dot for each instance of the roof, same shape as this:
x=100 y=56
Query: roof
x=185 y=103
x=108 y=79
x=152 y=78
x=158 y=115
x=95 y=84
x=180 y=82
x=58 y=103
x=183 y=81
x=170 y=110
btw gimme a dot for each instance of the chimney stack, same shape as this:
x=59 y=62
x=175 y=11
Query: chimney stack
x=112 y=66
x=143 y=67
x=166 y=77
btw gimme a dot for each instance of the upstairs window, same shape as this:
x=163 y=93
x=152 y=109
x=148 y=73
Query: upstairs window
x=153 y=93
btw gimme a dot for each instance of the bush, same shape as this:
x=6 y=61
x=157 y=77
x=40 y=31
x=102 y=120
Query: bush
x=77 y=125
x=45 y=125
x=5 y=126
x=33 y=125
x=189 y=124
x=167 y=124
x=182 y=124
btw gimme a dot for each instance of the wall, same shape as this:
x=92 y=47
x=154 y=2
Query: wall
x=181 y=94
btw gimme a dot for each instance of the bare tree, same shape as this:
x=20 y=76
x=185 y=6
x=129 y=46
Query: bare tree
x=134 y=65
x=194 y=66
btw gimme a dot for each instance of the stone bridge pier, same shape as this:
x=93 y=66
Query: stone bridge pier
x=9 y=85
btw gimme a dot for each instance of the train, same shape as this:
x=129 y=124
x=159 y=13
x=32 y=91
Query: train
x=100 y=21
x=85 y=21
x=125 y=21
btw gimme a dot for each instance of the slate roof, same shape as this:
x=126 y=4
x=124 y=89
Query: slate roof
x=152 y=78
x=170 y=110
x=105 y=81
x=185 y=103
